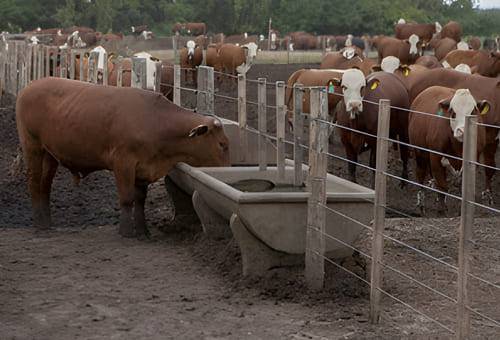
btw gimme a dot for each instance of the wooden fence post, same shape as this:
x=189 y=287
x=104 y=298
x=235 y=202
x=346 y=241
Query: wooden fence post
x=242 y=115
x=20 y=67
x=63 y=65
x=13 y=67
x=54 y=63
x=159 y=68
x=262 y=122
x=177 y=84
x=298 y=133
x=280 y=130
x=34 y=62
x=384 y=115
x=175 y=47
x=81 y=68
x=47 y=61
x=316 y=213
x=139 y=73
x=91 y=66
x=41 y=60
x=28 y=63
x=466 y=225
x=209 y=98
x=105 y=70
x=72 y=64
x=119 y=71
x=205 y=96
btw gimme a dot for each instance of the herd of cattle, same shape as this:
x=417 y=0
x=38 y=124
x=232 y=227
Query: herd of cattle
x=430 y=97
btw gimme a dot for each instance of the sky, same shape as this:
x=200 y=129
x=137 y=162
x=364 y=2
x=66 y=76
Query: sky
x=489 y=3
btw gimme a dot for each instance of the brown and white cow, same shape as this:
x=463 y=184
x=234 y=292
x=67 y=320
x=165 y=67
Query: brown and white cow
x=136 y=134
x=452 y=30
x=407 y=51
x=482 y=88
x=442 y=47
x=359 y=111
x=443 y=132
x=483 y=62
x=191 y=57
x=344 y=60
x=425 y=32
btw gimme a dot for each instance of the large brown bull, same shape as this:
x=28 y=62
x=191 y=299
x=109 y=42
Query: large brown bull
x=483 y=62
x=423 y=31
x=443 y=132
x=482 y=88
x=136 y=134
x=357 y=112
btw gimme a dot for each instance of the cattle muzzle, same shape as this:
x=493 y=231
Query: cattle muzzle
x=354 y=107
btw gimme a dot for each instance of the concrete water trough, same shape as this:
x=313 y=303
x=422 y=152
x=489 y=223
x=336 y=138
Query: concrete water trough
x=268 y=219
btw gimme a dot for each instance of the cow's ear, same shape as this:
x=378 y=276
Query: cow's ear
x=373 y=84
x=483 y=107
x=198 y=131
x=444 y=106
x=405 y=69
x=376 y=68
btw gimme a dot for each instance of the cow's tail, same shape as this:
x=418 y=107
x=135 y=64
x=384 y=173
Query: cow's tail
x=16 y=167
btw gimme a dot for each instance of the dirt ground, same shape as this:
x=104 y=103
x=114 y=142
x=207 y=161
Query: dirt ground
x=83 y=281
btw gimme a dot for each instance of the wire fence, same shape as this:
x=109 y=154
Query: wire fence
x=21 y=64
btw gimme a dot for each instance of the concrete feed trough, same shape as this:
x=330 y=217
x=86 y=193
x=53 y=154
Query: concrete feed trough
x=270 y=226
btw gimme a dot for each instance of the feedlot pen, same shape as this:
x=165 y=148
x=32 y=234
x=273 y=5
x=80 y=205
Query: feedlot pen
x=71 y=283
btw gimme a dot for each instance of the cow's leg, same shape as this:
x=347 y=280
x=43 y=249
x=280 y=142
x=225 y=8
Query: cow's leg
x=141 y=192
x=34 y=162
x=49 y=168
x=439 y=174
x=489 y=159
x=125 y=181
x=422 y=165
x=352 y=156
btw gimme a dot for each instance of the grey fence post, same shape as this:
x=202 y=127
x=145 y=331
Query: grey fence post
x=104 y=70
x=177 y=84
x=159 y=68
x=384 y=115
x=262 y=122
x=242 y=115
x=119 y=71
x=298 y=133
x=205 y=96
x=72 y=64
x=81 y=68
x=54 y=63
x=280 y=130
x=466 y=225
x=47 y=61
x=316 y=213
x=62 y=65
x=139 y=73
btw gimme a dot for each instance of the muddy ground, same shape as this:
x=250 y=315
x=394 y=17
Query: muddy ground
x=84 y=281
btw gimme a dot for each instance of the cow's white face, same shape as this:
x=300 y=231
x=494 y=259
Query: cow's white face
x=463 y=46
x=462 y=104
x=401 y=21
x=464 y=68
x=353 y=83
x=190 y=46
x=390 y=64
x=245 y=35
x=252 y=49
x=439 y=28
x=349 y=53
x=413 y=40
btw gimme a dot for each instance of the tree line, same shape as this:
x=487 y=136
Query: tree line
x=236 y=16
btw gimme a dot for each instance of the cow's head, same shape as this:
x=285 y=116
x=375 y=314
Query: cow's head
x=413 y=41
x=463 y=46
x=464 y=68
x=190 y=47
x=457 y=107
x=251 y=49
x=438 y=27
x=495 y=67
x=210 y=135
x=353 y=85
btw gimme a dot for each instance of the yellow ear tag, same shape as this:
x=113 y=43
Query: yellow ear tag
x=374 y=85
x=485 y=109
x=406 y=72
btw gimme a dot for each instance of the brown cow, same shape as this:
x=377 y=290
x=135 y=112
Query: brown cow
x=482 y=88
x=201 y=41
x=303 y=41
x=475 y=43
x=196 y=28
x=126 y=74
x=336 y=60
x=424 y=31
x=452 y=30
x=310 y=78
x=483 y=62
x=111 y=37
x=428 y=61
x=442 y=133
x=136 y=134
x=357 y=112
x=442 y=47
x=137 y=30
x=231 y=58
x=407 y=51
x=81 y=30
x=191 y=57
x=212 y=57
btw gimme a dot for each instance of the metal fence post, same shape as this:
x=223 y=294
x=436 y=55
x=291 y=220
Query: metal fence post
x=316 y=213
x=177 y=84
x=242 y=115
x=280 y=130
x=466 y=225
x=262 y=122
x=384 y=115
x=298 y=133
